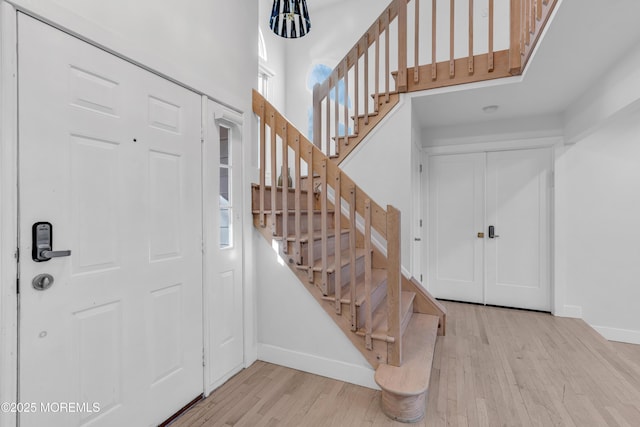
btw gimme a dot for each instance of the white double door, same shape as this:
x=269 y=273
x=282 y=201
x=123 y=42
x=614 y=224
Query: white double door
x=489 y=227
x=111 y=157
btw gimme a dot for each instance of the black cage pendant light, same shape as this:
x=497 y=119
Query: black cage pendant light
x=290 y=18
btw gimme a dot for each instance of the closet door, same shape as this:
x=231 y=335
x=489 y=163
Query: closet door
x=518 y=185
x=456 y=216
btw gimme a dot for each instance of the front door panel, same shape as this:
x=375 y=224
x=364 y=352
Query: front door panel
x=110 y=156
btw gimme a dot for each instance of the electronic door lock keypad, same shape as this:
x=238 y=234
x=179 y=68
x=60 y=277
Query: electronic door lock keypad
x=42 y=244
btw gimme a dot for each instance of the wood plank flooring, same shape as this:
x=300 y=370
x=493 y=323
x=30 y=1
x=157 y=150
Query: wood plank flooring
x=495 y=367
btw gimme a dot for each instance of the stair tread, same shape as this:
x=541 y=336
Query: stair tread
x=378 y=277
x=331 y=260
x=412 y=378
x=317 y=235
x=380 y=323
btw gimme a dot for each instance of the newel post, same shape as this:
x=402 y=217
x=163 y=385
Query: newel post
x=394 y=283
x=317 y=117
x=515 y=47
x=401 y=83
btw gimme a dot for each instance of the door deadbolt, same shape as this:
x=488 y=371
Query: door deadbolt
x=42 y=243
x=42 y=282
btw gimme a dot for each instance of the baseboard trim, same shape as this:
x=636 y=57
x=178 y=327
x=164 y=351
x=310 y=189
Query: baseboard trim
x=620 y=335
x=341 y=371
x=573 y=311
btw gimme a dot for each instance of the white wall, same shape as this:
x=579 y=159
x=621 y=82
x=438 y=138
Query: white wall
x=276 y=58
x=602 y=203
x=295 y=331
x=612 y=92
x=603 y=232
x=381 y=166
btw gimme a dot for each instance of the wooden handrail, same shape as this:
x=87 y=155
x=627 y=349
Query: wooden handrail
x=330 y=178
x=313 y=154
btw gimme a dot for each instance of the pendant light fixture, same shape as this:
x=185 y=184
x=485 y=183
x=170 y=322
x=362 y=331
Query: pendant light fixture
x=290 y=18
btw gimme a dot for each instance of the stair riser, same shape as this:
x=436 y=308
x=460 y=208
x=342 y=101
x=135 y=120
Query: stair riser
x=304 y=222
x=291 y=199
x=345 y=275
x=317 y=248
x=407 y=318
x=376 y=298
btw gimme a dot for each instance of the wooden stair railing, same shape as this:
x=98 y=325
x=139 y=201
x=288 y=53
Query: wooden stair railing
x=330 y=234
x=365 y=85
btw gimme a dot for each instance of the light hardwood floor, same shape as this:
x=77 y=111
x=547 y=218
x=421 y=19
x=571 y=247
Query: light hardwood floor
x=495 y=367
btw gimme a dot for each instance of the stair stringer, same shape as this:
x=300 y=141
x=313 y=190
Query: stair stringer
x=333 y=348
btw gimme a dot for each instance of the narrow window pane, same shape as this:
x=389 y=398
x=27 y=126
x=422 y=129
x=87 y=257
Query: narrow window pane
x=225 y=186
x=225 y=228
x=224 y=146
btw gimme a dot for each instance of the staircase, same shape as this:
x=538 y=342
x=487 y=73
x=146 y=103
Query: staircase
x=345 y=249
x=402 y=52
x=342 y=245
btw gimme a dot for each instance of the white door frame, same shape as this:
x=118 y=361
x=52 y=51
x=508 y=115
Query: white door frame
x=417 y=213
x=8 y=211
x=556 y=206
x=9 y=203
x=234 y=121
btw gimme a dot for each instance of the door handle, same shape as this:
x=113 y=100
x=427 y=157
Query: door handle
x=42 y=243
x=417 y=239
x=54 y=254
x=492 y=232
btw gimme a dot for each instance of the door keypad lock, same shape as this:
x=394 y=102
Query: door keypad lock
x=42 y=244
x=492 y=232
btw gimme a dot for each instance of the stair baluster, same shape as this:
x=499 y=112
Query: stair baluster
x=298 y=201
x=337 y=231
x=285 y=188
x=368 y=319
x=352 y=257
x=324 y=221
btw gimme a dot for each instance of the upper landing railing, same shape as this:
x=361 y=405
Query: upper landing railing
x=417 y=45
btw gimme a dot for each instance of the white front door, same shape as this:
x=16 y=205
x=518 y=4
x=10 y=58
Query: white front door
x=223 y=228
x=468 y=194
x=110 y=158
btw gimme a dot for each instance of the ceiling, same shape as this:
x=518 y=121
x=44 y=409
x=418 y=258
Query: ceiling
x=314 y=5
x=584 y=41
